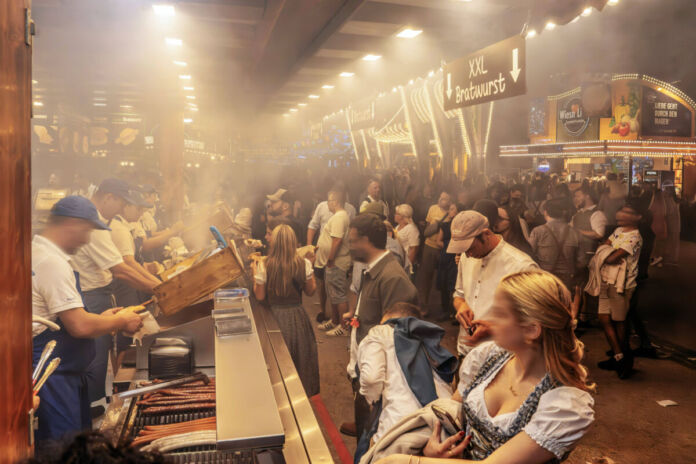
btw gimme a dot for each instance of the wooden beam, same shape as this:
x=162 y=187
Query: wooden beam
x=15 y=233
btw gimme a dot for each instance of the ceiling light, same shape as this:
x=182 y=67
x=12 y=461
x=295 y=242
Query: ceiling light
x=174 y=42
x=38 y=103
x=409 y=33
x=393 y=89
x=410 y=82
x=180 y=63
x=347 y=74
x=314 y=97
x=531 y=33
x=99 y=99
x=99 y=104
x=191 y=97
x=293 y=110
x=126 y=107
x=186 y=77
x=193 y=108
x=34 y=81
x=189 y=88
x=587 y=11
x=188 y=120
x=327 y=86
x=613 y=2
x=301 y=104
x=164 y=10
x=431 y=73
x=550 y=26
x=371 y=57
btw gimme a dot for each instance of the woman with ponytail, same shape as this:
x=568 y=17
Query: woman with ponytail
x=525 y=395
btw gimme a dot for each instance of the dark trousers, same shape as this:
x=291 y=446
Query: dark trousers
x=426 y=274
x=97 y=301
x=633 y=317
x=361 y=408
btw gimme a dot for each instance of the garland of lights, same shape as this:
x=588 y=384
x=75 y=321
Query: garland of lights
x=436 y=132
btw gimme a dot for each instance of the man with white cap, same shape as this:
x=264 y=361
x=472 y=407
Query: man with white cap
x=485 y=259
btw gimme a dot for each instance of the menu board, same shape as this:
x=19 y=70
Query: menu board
x=664 y=116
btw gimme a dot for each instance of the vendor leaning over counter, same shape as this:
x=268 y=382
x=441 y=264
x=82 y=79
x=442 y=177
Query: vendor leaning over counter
x=152 y=239
x=64 y=408
x=98 y=263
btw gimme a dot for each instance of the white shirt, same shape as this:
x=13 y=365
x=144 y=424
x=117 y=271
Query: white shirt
x=478 y=279
x=631 y=242
x=338 y=226
x=260 y=276
x=94 y=260
x=381 y=377
x=562 y=417
x=409 y=237
x=53 y=284
x=322 y=214
x=353 y=333
x=122 y=237
x=147 y=221
x=369 y=200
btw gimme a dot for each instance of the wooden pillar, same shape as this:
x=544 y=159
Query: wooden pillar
x=15 y=232
x=171 y=160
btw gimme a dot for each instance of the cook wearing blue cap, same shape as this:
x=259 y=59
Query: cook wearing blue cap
x=56 y=296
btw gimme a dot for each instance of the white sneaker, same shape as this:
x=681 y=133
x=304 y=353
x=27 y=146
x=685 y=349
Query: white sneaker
x=327 y=325
x=339 y=331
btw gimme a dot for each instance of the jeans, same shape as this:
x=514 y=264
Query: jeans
x=97 y=301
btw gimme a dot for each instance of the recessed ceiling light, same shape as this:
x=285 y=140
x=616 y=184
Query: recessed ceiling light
x=431 y=73
x=347 y=74
x=173 y=41
x=613 y=2
x=99 y=99
x=34 y=81
x=164 y=10
x=99 y=104
x=191 y=97
x=126 y=107
x=409 y=33
x=327 y=86
x=180 y=63
x=293 y=110
x=531 y=33
x=371 y=57
x=301 y=104
x=193 y=108
x=188 y=120
x=587 y=11
x=550 y=26
x=186 y=77
x=313 y=97
x=38 y=103
x=189 y=88
x=393 y=89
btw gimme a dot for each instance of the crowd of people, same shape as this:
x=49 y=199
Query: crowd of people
x=520 y=264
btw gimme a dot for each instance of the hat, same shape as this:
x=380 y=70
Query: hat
x=122 y=189
x=75 y=206
x=137 y=199
x=278 y=195
x=375 y=207
x=465 y=227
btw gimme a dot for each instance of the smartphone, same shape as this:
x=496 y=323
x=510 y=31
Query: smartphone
x=448 y=422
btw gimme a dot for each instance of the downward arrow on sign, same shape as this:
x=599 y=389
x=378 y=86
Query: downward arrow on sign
x=449 y=86
x=515 y=73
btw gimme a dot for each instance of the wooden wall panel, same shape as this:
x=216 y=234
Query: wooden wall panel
x=15 y=232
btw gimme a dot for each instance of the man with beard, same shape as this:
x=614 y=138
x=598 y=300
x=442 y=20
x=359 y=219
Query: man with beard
x=280 y=206
x=382 y=284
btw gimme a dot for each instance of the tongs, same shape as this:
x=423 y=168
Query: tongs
x=160 y=386
x=48 y=349
x=52 y=366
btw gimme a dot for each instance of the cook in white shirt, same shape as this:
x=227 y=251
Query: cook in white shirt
x=486 y=259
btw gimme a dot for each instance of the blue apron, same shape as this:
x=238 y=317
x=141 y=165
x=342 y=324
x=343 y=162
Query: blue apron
x=64 y=409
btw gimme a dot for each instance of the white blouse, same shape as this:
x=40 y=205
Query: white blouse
x=560 y=421
x=260 y=275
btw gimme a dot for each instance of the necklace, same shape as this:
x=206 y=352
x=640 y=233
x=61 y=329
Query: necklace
x=512 y=390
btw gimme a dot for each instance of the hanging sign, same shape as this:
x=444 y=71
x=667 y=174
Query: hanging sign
x=492 y=73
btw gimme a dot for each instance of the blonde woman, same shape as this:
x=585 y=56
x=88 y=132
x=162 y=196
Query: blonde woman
x=407 y=233
x=526 y=399
x=281 y=280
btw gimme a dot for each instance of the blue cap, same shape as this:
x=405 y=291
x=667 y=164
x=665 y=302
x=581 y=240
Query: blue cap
x=122 y=189
x=78 y=207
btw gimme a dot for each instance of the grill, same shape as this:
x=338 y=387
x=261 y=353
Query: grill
x=195 y=454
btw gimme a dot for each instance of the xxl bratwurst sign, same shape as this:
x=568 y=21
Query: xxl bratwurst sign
x=492 y=73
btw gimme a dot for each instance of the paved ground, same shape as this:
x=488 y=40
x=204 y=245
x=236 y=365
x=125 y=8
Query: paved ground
x=630 y=427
